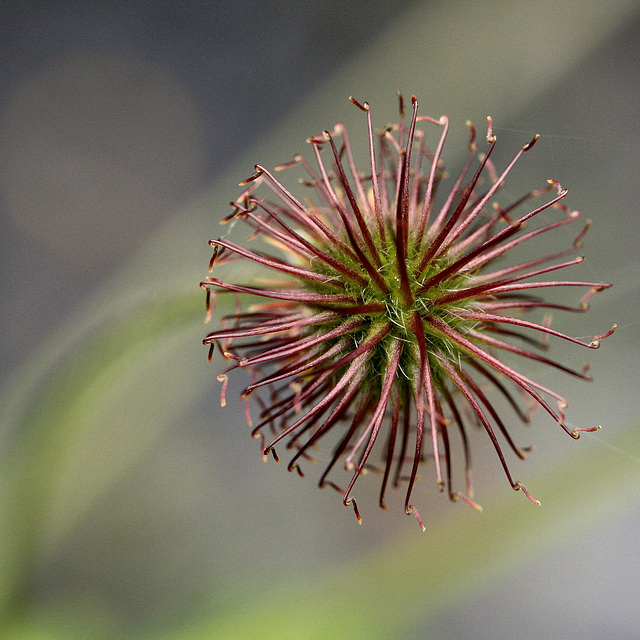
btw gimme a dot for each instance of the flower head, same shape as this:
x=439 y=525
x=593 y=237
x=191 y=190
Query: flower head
x=389 y=309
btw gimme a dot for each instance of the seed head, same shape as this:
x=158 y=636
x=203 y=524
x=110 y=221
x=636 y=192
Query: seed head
x=388 y=313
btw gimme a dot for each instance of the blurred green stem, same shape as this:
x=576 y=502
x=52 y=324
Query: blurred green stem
x=81 y=390
x=419 y=576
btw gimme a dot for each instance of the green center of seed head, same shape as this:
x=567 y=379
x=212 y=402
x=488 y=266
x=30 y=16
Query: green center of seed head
x=398 y=313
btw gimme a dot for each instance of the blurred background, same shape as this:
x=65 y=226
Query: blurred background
x=133 y=506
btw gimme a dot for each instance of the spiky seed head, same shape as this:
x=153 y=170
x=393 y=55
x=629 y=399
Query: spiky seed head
x=390 y=306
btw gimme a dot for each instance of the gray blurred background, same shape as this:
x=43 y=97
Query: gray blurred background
x=115 y=114
x=124 y=130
